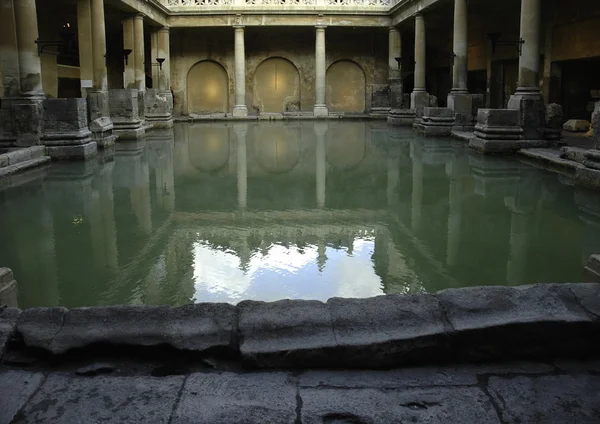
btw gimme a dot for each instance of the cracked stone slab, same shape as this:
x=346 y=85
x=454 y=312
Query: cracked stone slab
x=588 y=295
x=387 y=330
x=268 y=398
x=8 y=324
x=78 y=400
x=15 y=388
x=547 y=399
x=436 y=405
x=500 y=322
x=287 y=333
x=192 y=327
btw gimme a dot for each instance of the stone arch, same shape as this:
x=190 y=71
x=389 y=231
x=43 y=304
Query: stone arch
x=276 y=86
x=346 y=87
x=207 y=88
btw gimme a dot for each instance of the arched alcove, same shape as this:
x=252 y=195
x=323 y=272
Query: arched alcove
x=207 y=88
x=277 y=86
x=346 y=87
x=208 y=147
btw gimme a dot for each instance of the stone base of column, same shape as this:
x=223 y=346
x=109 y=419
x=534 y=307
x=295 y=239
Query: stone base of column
x=397 y=94
x=240 y=111
x=379 y=112
x=141 y=95
x=532 y=112
x=401 y=117
x=461 y=105
x=8 y=137
x=320 y=111
x=159 y=108
x=28 y=118
x=125 y=113
x=101 y=125
x=436 y=122
x=66 y=133
x=418 y=101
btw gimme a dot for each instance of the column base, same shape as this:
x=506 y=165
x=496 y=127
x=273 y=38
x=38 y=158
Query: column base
x=418 y=101
x=8 y=137
x=401 y=117
x=320 y=111
x=532 y=112
x=461 y=104
x=28 y=117
x=436 y=122
x=101 y=125
x=126 y=114
x=396 y=94
x=240 y=111
x=73 y=152
x=159 y=108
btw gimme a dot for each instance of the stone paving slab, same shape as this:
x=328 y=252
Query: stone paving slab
x=16 y=387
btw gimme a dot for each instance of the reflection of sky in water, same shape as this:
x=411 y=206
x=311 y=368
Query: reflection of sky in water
x=285 y=272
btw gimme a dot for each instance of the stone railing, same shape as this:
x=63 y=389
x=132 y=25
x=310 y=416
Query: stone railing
x=321 y=5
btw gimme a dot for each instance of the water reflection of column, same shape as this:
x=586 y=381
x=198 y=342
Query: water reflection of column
x=321 y=159
x=103 y=193
x=160 y=145
x=393 y=175
x=140 y=194
x=417 y=188
x=241 y=130
x=456 y=170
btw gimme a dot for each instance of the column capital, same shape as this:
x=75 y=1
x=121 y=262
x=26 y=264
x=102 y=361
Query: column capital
x=419 y=16
x=239 y=27
x=164 y=29
x=138 y=16
x=393 y=29
x=320 y=27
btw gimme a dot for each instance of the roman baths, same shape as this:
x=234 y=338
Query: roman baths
x=300 y=211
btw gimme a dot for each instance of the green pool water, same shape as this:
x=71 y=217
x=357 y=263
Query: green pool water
x=224 y=212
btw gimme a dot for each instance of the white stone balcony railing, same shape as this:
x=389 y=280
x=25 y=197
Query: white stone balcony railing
x=281 y=5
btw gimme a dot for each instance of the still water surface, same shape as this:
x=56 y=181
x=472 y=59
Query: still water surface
x=227 y=212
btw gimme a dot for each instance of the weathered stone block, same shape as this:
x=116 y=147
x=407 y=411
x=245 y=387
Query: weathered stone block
x=532 y=115
x=436 y=121
x=418 y=101
x=576 y=125
x=397 y=94
x=501 y=322
x=159 y=108
x=8 y=291
x=230 y=398
x=387 y=331
x=28 y=120
x=588 y=295
x=554 y=121
x=65 y=119
x=16 y=387
x=287 y=333
x=380 y=96
x=125 y=113
x=8 y=325
x=401 y=117
x=595 y=127
x=101 y=125
x=462 y=108
x=498 y=123
x=65 y=399
x=73 y=152
x=38 y=326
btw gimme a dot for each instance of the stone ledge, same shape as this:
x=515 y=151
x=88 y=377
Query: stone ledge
x=479 y=323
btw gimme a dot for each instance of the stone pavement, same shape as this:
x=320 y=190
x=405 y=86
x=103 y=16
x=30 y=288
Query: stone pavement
x=518 y=392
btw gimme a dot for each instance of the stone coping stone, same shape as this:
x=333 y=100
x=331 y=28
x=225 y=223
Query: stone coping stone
x=16 y=387
x=477 y=323
x=8 y=324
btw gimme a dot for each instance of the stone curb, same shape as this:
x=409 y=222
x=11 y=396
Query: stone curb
x=477 y=323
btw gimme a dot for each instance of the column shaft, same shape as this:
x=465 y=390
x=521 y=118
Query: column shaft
x=460 y=69
x=30 y=67
x=100 y=82
x=129 y=44
x=84 y=39
x=240 y=108
x=138 y=52
x=529 y=62
x=320 y=108
x=164 y=52
x=394 y=51
x=9 y=57
x=155 y=69
x=420 y=51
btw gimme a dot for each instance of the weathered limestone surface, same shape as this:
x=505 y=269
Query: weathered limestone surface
x=259 y=398
x=8 y=324
x=401 y=117
x=159 y=108
x=126 y=114
x=576 y=125
x=554 y=121
x=16 y=387
x=100 y=124
x=8 y=288
x=436 y=121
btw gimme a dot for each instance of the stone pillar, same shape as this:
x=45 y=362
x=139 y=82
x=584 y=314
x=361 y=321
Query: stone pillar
x=139 y=57
x=129 y=44
x=528 y=98
x=419 y=98
x=27 y=110
x=84 y=39
x=395 y=76
x=154 y=67
x=457 y=170
x=240 y=130
x=417 y=185
x=320 y=108
x=489 y=67
x=9 y=67
x=459 y=99
x=100 y=123
x=321 y=160
x=159 y=100
x=240 y=109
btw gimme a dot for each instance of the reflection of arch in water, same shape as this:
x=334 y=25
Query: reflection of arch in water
x=208 y=147
x=276 y=148
x=277 y=86
x=346 y=87
x=346 y=145
x=207 y=88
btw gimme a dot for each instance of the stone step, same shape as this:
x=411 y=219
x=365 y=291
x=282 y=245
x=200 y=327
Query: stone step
x=17 y=156
x=23 y=166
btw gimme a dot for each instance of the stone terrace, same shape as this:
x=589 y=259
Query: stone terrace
x=526 y=354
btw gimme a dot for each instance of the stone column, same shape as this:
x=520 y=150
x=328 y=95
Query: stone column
x=459 y=99
x=100 y=122
x=240 y=130
x=419 y=97
x=321 y=160
x=320 y=108
x=240 y=109
x=159 y=100
x=528 y=97
x=9 y=66
x=395 y=76
x=129 y=44
x=164 y=52
x=417 y=185
x=139 y=56
x=84 y=39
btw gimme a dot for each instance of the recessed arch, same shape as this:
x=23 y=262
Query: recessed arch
x=207 y=88
x=276 y=86
x=346 y=87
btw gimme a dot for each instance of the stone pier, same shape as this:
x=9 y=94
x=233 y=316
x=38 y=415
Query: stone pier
x=125 y=113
